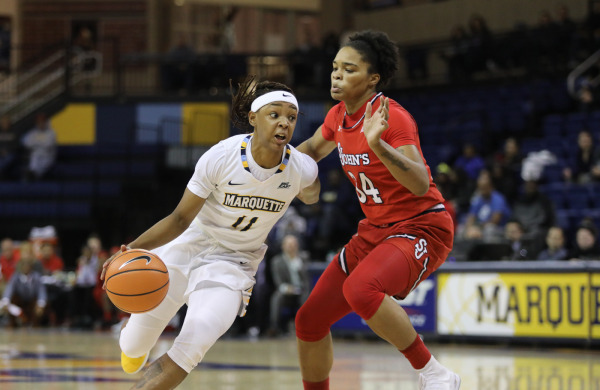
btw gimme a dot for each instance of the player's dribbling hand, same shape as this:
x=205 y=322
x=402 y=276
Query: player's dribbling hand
x=376 y=122
x=107 y=263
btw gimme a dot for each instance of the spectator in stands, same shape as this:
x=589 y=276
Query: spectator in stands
x=25 y=295
x=291 y=223
x=455 y=55
x=304 y=60
x=586 y=242
x=445 y=181
x=579 y=169
x=51 y=261
x=506 y=169
x=9 y=257
x=535 y=211
x=329 y=47
x=587 y=96
x=546 y=38
x=83 y=303
x=290 y=282
x=567 y=29
x=177 y=70
x=481 y=46
x=555 y=245
x=40 y=143
x=110 y=313
x=469 y=162
x=9 y=146
x=488 y=212
x=592 y=30
x=520 y=248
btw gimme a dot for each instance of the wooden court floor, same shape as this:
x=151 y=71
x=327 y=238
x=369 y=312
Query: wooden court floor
x=55 y=359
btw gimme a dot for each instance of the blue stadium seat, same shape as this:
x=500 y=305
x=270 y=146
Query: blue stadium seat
x=75 y=209
x=552 y=129
x=115 y=169
x=74 y=170
x=553 y=173
x=108 y=188
x=557 y=198
x=78 y=189
x=577 y=200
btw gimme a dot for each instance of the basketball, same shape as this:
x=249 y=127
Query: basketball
x=137 y=281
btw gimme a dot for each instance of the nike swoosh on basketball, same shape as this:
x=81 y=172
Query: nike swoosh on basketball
x=147 y=258
x=234 y=184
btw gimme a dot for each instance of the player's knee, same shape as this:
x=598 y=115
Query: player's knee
x=195 y=339
x=310 y=325
x=134 y=346
x=363 y=294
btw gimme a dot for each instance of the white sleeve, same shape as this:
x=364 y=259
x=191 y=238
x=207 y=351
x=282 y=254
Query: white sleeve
x=310 y=170
x=207 y=171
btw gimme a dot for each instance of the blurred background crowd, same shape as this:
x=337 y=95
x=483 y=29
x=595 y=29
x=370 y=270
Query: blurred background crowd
x=509 y=121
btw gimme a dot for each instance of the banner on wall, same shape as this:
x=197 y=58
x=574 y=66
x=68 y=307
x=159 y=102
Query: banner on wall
x=562 y=305
x=419 y=305
x=595 y=305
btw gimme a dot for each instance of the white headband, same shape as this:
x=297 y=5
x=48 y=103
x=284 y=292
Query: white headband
x=275 y=96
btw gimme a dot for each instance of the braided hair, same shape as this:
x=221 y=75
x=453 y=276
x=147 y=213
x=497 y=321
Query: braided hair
x=247 y=91
x=381 y=53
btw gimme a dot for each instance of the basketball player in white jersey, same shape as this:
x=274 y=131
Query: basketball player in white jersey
x=214 y=240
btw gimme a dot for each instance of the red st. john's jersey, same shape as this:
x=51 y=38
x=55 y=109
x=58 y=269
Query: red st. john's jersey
x=382 y=198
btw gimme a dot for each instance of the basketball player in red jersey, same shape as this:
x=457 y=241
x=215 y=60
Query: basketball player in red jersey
x=406 y=235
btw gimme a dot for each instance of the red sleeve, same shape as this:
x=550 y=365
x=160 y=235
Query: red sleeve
x=331 y=122
x=403 y=128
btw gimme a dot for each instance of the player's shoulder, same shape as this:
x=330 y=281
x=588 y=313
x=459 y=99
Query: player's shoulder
x=337 y=108
x=233 y=141
x=295 y=153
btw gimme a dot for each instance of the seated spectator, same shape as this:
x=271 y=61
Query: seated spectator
x=290 y=285
x=51 y=261
x=84 y=309
x=25 y=295
x=481 y=46
x=547 y=37
x=9 y=146
x=469 y=162
x=520 y=249
x=58 y=294
x=110 y=313
x=445 y=182
x=535 y=211
x=177 y=70
x=506 y=169
x=9 y=257
x=586 y=243
x=488 y=211
x=555 y=245
x=566 y=36
x=579 y=170
x=40 y=143
x=455 y=55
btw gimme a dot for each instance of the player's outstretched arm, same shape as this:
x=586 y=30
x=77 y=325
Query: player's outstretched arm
x=310 y=194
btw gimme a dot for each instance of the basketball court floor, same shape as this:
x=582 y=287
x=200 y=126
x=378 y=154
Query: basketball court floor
x=55 y=359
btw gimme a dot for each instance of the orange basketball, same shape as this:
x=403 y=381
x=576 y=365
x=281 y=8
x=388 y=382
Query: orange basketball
x=137 y=281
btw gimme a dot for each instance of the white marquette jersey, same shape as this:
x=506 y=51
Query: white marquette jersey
x=240 y=210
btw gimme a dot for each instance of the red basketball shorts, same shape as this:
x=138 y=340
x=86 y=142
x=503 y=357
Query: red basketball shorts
x=377 y=261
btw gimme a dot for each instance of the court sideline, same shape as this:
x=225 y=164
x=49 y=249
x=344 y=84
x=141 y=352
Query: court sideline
x=55 y=359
